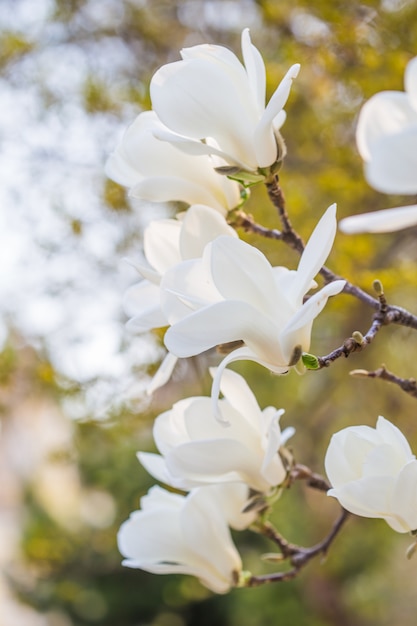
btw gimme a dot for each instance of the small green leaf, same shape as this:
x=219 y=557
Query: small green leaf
x=310 y=361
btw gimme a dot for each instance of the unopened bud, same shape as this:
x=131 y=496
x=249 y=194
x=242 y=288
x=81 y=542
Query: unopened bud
x=358 y=337
x=379 y=289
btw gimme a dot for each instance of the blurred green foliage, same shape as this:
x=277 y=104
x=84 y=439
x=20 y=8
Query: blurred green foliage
x=348 y=51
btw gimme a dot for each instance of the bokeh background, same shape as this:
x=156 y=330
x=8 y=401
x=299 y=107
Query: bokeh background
x=73 y=407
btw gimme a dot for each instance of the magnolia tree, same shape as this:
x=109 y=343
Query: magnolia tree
x=223 y=459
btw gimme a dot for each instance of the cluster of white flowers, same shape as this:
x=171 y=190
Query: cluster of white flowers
x=209 y=288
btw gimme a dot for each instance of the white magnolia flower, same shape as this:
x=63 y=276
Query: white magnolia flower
x=387 y=138
x=374 y=474
x=232 y=293
x=197 y=449
x=157 y=171
x=166 y=243
x=174 y=534
x=210 y=95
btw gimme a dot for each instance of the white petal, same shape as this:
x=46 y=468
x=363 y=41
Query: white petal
x=168 y=189
x=238 y=393
x=200 y=226
x=201 y=98
x=394 y=437
x=194 y=147
x=255 y=69
x=142 y=301
x=241 y=272
x=368 y=497
x=264 y=138
x=121 y=171
x=386 y=113
x=223 y=322
x=216 y=461
x=155 y=466
x=404 y=499
x=206 y=531
x=163 y=373
x=316 y=252
x=410 y=81
x=272 y=467
x=241 y=354
x=393 y=166
x=298 y=329
x=385 y=221
x=161 y=243
x=231 y=498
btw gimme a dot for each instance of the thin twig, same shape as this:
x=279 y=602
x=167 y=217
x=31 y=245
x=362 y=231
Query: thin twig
x=352 y=344
x=409 y=385
x=392 y=314
x=296 y=555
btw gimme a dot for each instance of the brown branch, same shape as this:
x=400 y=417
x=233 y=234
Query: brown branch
x=296 y=555
x=392 y=314
x=352 y=344
x=313 y=480
x=277 y=198
x=409 y=385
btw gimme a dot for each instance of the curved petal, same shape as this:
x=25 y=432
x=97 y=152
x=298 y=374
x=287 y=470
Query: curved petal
x=386 y=113
x=368 y=497
x=241 y=354
x=238 y=393
x=200 y=226
x=298 y=329
x=410 y=81
x=205 y=528
x=394 y=437
x=404 y=497
x=315 y=253
x=216 y=461
x=163 y=373
x=393 y=166
x=186 y=287
x=169 y=188
x=241 y=272
x=272 y=467
x=137 y=538
x=202 y=98
x=385 y=221
x=264 y=138
x=223 y=322
x=155 y=465
x=142 y=301
x=232 y=498
x=195 y=147
x=255 y=69
x=121 y=171
x=161 y=244
x=344 y=457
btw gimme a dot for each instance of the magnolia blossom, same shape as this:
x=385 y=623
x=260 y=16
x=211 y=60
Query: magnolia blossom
x=157 y=171
x=387 y=138
x=196 y=449
x=232 y=293
x=374 y=474
x=175 y=534
x=167 y=243
x=210 y=95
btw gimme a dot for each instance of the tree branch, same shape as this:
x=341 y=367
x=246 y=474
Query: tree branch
x=409 y=385
x=392 y=314
x=296 y=555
